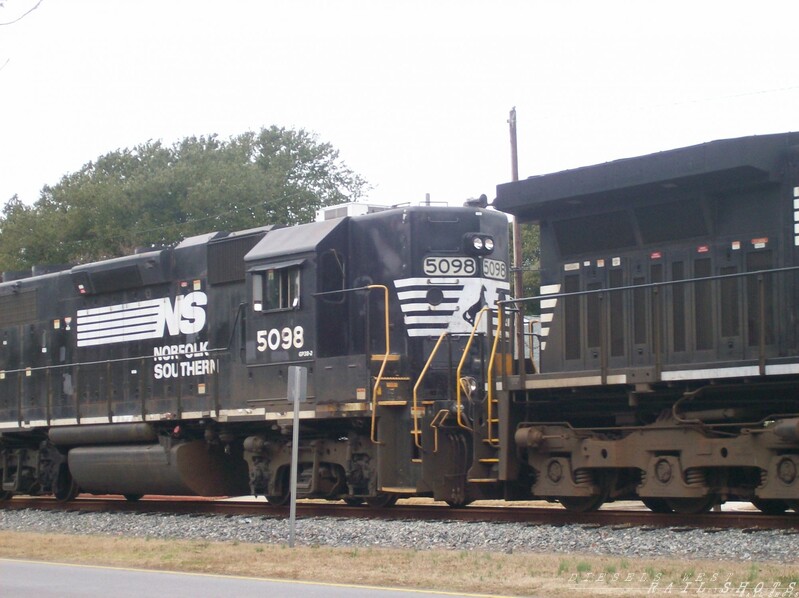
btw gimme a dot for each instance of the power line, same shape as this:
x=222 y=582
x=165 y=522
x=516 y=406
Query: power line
x=18 y=19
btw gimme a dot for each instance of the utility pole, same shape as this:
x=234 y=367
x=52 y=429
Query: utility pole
x=514 y=154
x=518 y=274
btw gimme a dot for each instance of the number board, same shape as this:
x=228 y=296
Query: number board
x=450 y=266
x=495 y=269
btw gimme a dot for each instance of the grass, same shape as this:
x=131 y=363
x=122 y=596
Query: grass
x=517 y=574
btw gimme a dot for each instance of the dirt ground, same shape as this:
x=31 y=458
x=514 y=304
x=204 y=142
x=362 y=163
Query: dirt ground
x=519 y=574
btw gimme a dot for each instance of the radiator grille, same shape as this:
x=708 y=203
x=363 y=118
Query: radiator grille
x=18 y=308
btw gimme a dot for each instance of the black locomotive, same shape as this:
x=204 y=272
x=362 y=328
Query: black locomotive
x=165 y=372
x=669 y=350
x=670 y=340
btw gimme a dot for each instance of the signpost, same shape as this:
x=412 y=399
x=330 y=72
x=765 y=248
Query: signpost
x=297 y=392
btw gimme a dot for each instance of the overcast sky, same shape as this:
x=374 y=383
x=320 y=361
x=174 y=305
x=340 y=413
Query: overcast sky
x=414 y=94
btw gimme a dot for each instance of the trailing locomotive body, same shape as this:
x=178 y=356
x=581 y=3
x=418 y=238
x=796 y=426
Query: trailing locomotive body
x=669 y=335
x=165 y=372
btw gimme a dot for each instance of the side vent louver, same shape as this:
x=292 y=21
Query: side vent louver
x=226 y=258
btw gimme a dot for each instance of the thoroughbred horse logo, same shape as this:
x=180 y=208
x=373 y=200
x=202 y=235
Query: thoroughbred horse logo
x=470 y=314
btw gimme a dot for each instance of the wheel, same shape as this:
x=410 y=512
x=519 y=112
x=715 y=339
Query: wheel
x=457 y=504
x=132 y=497
x=605 y=480
x=283 y=489
x=692 y=506
x=279 y=500
x=771 y=506
x=354 y=501
x=66 y=488
x=582 y=504
x=656 y=505
x=382 y=500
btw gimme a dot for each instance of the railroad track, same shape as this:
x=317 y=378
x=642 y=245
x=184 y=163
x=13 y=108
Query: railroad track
x=612 y=517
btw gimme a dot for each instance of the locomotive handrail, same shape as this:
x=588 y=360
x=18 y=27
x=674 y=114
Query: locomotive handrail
x=648 y=285
x=385 y=356
x=760 y=334
x=477 y=319
x=419 y=383
x=72 y=364
x=383 y=364
x=490 y=378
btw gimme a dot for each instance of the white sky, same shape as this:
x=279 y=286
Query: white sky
x=414 y=93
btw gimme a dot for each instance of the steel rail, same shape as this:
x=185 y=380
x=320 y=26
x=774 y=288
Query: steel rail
x=508 y=513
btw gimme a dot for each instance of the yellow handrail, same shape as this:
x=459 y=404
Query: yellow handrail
x=490 y=376
x=477 y=319
x=382 y=365
x=418 y=384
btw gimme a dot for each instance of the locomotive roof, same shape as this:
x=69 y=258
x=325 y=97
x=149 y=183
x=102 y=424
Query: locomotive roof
x=292 y=240
x=715 y=165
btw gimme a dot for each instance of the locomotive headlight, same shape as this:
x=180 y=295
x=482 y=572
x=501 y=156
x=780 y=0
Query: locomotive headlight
x=478 y=244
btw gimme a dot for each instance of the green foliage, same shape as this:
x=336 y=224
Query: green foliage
x=531 y=259
x=156 y=195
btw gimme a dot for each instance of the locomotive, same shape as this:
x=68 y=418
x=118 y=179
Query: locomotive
x=668 y=349
x=165 y=372
x=669 y=333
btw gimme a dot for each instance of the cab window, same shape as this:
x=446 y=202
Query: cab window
x=279 y=289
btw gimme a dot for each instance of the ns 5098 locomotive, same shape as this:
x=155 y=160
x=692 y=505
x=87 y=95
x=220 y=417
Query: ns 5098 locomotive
x=165 y=372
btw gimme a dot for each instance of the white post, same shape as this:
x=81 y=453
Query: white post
x=297 y=391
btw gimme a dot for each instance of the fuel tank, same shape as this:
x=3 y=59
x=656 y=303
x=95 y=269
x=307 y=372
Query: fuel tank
x=189 y=469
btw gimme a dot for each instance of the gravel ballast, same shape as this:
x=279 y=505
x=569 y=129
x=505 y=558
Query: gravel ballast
x=738 y=545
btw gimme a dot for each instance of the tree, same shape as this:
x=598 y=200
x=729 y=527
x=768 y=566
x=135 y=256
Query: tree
x=153 y=194
x=22 y=16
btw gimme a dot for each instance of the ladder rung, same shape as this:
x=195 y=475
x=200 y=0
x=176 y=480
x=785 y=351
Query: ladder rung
x=392 y=403
x=491 y=460
x=493 y=421
x=415 y=432
x=428 y=402
x=398 y=490
x=482 y=480
x=416 y=460
x=391 y=357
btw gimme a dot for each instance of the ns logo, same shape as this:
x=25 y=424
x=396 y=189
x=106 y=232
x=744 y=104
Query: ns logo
x=140 y=320
x=187 y=316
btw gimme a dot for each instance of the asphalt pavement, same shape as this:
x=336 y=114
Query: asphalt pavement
x=49 y=580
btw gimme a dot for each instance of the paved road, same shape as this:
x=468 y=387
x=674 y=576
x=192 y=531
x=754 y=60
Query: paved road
x=47 y=580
